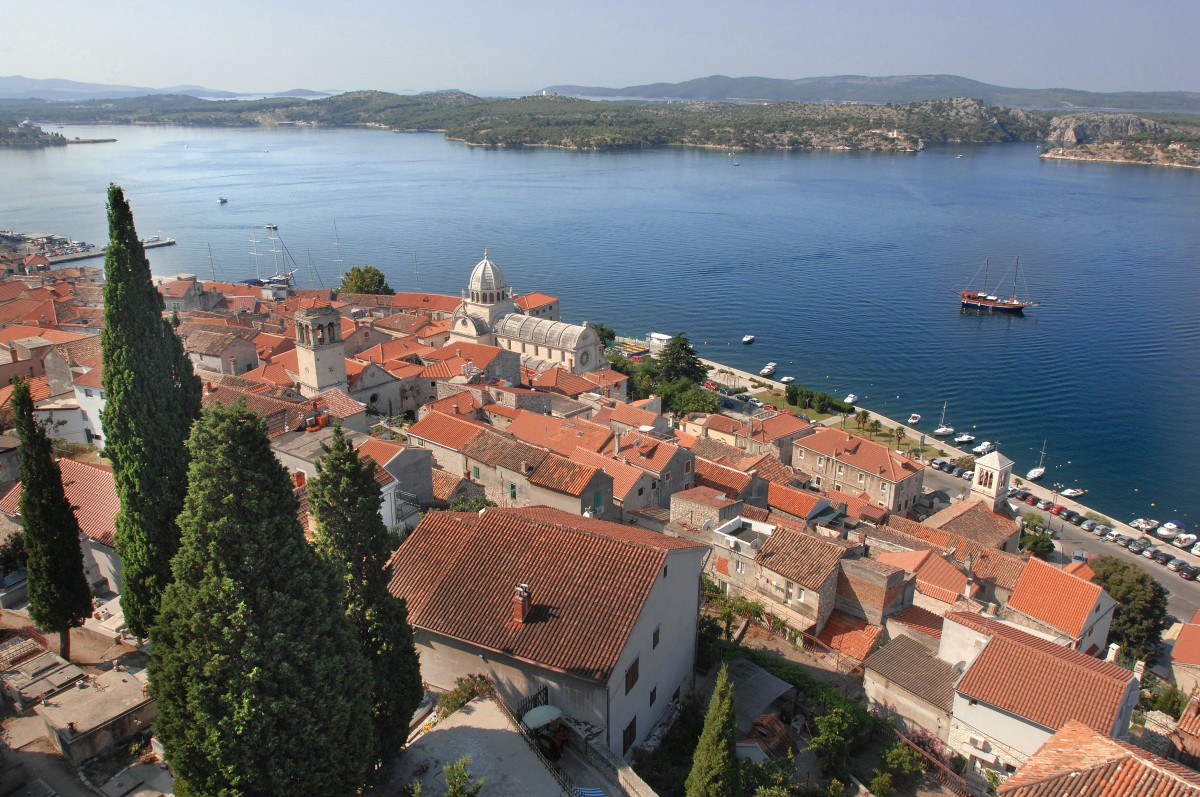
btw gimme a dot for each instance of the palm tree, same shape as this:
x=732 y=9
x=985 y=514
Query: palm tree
x=876 y=427
x=862 y=419
x=900 y=437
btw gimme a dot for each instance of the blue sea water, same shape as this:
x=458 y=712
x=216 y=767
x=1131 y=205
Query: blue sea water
x=844 y=265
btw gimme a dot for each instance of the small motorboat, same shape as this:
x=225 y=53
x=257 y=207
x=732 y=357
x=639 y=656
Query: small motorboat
x=747 y=339
x=768 y=369
x=986 y=447
x=221 y=200
x=1186 y=540
x=1143 y=525
x=271 y=227
x=1071 y=492
x=914 y=418
x=964 y=437
x=851 y=398
x=787 y=380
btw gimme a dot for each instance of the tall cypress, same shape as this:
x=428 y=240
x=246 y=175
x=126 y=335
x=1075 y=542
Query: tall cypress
x=152 y=396
x=59 y=596
x=261 y=689
x=344 y=499
x=715 y=768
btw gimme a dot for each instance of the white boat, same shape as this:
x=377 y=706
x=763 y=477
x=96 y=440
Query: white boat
x=1040 y=470
x=914 y=418
x=787 y=380
x=851 y=398
x=221 y=200
x=271 y=227
x=964 y=437
x=768 y=369
x=747 y=338
x=1143 y=525
x=1071 y=492
x=942 y=430
x=985 y=447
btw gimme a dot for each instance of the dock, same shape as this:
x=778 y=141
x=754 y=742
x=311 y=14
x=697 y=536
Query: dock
x=98 y=251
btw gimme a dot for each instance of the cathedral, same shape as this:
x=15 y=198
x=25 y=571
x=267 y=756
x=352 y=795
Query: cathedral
x=489 y=315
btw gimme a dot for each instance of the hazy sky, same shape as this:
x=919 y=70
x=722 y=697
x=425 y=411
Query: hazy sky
x=492 y=46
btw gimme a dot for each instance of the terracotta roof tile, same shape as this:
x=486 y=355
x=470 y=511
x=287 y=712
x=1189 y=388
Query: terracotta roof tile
x=803 y=558
x=769 y=468
x=1189 y=721
x=973 y=520
x=499 y=450
x=271 y=374
x=936 y=577
x=463 y=403
x=1042 y=682
x=921 y=620
x=562 y=475
x=478 y=354
x=1080 y=569
x=910 y=665
x=394 y=349
x=1055 y=597
x=445 y=430
x=92 y=493
x=589 y=580
x=445 y=484
x=1079 y=762
x=989 y=564
x=532 y=300
x=426 y=301
x=628 y=415
x=860 y=453
x=560 y=380
x=39 y=390
x=625 y=477
x=1187 y=646
x=560 y=435
x=728 y=480
x=605 y=377
x=856 y=638
x=648 y=453
x=791 y=500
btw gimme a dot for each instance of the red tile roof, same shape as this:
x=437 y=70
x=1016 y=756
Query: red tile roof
x=604 y=377
x=1189 y=721
x=936 y=577
x=773 y=427
x=560 y=380
x=974 y=520
x=499 y=450
x=271 y=374
x=999 y=567
x=426 y=301
x=92 y=493
x=858 y=452
x=394 y=349
x=1080 y=569
x=648 y=453
x=532 y=300
x=589 y=580
x=381 y=452
x=560 y=435
x=445 y=484
x=728 y=480
x=920 y=620
x=806 y=559
x=1055 y=597
x=39 y=390
x=793 y=501
x=1079 y=762
x=478 y=354
x=463 y=403
x=1187 y=646
x=447 y=431
x=562 y=475
x=1044 y=683
x=628 y=415
x=856 y=638
x=625 y=477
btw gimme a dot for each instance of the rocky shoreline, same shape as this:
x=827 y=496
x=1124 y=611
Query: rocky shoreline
x=1178 y=155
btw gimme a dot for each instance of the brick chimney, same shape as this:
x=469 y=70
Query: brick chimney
x=298 y=479
x=520 y=603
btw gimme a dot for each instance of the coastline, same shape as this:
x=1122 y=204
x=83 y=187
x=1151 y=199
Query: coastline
x=1064 y=154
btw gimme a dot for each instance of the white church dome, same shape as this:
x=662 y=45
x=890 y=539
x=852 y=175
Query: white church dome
x=487 y=277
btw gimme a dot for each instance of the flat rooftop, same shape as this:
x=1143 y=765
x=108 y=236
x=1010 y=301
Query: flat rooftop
x=110 y=695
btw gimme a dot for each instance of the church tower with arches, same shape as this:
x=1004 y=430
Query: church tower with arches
x=320 y=350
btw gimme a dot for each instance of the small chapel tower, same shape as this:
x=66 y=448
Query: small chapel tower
x=990 y=484
x=320 y=350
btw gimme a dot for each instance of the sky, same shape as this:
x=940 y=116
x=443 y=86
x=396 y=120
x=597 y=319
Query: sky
x=493 y=47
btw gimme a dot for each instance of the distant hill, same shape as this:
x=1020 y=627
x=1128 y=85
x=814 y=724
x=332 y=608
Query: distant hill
x=894 y=89
x=16 y=87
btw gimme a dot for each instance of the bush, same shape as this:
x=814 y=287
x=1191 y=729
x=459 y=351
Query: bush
x=465 y=690
x=881 y=784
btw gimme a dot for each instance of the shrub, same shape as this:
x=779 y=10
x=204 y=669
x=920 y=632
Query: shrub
x=465 y=690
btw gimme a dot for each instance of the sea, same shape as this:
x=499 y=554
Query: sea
x=845 y=266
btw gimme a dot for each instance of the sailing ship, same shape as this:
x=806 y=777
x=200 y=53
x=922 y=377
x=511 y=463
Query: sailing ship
x=988 y=302
x=942 y=429
x=1040 y=470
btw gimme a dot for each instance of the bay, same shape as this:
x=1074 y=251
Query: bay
x=844 y=265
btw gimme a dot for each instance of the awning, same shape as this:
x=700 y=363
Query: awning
x=540 y=716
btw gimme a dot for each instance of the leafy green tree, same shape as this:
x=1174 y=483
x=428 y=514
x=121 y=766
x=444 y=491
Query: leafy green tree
x=1033 y=521
x=606 y=334
x=715 y=769
x=1141 y=604
x=254 y=665
x=791 y=394
x=1040 y=544
x=832 y=743
x=59 y=596
x=821 y=402
x=12 y=554
x=682 y=397
x=876 y=427
x=459 y=782
x=365 y=279
x=881 y=784
x=152 y=398
x=351 y=535
x=474 y=503
x=678 y=360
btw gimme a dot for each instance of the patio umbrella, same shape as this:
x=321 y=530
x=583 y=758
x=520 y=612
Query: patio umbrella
x=540 y=716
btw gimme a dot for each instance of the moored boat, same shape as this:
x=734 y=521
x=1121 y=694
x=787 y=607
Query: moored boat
x=221 y=200
x=988 y=302
x=986 y=447
x=942 y=429
x=1040 y=471
x=1071 y=492
x=747 y=339
x=964 y=437
x=768 y=369
x=914 y=418
x=787 y=380
x=851 y=398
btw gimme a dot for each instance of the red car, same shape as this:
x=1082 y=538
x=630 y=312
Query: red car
x=711 y=385
x=1032 y=500
x=1057 y=509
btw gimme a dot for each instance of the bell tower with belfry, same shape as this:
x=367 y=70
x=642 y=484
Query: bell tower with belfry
x=320 y=350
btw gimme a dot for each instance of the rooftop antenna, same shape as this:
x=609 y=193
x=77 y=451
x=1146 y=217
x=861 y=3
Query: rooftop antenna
x=211 y=264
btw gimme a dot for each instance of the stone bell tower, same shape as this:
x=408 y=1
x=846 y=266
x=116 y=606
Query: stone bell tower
x=990 y=485
x=320 y=350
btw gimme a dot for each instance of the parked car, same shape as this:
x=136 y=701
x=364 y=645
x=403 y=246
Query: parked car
x=1067 y=515
x=1100 y=531
x=1045 y=503
x=1031 y=499
x=1189 y=572
x=1013 y=491
x=724 y=391
x=1138 y=546
x=1123 y=540
x=754 y=402
x=968 y=474
x=1057 y=509
x=1162 y=557
x=1023 y=495
x=711 y=385
x=1175 y=564
x=1150 y=550
x=1088 y=524
x=1078 y=556
x=742 y=397
x=1078 y=519
x=939 y=462
x=1111 y=536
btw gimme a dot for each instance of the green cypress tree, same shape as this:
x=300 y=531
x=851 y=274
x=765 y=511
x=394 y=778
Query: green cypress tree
x=152 y=397
x=350 y=534
x=715 y=768
x=261 y=688
x=59 y=596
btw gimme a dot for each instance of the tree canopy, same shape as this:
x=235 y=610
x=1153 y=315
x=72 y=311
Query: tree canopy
x=365 y=279
x=1141 y=604
x=351 y=535
x=256 y=671
x=59 y=596
x=715 y=768
x=678 y=360
x=152 y=398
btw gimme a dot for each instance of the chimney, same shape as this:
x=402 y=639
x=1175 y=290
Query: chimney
x=298 y=479
x=616 y=443
x=1113 y=650
x=520 y=603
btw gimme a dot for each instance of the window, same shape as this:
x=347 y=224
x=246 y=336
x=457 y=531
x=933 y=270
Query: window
x=596 y=499
x=631 y=676
x=739 y=566
x=656 y=636
x=862 y=478
x=653 y=485
x=475 y=471
x=687 y=467
x=841 y=469
x=800 y=453
x=664 y=571
x=788 y=591
x=641 y=490
x=87 y=391
x=653 y=695
x=667 y=476
x=512 y=490
x=821 y=462
x=630 y=736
